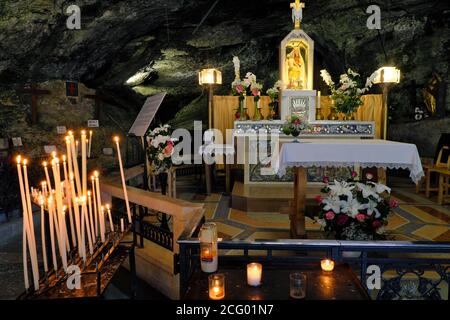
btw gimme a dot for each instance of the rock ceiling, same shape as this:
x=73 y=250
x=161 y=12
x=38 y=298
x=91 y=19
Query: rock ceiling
x=168 y=40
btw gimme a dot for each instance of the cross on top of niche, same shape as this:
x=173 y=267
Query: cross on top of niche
x=297 y=12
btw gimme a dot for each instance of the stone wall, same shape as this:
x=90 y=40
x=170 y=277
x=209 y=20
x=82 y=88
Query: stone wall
x=425 y=134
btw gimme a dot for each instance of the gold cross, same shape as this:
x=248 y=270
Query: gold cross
x=297 y=6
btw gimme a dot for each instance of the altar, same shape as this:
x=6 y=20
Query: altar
x=255 y=118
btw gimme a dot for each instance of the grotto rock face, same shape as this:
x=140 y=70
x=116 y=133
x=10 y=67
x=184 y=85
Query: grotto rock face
x=172 y=39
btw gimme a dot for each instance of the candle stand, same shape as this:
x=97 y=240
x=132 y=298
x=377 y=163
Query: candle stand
x=95 y=274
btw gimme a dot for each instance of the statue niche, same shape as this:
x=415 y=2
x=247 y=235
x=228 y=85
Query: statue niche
x=295 y=66
x=296 y=61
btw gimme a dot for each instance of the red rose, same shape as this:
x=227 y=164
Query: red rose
x=329 y=215
x=360 y=217
x=326 y=179
x=237 y=115
x=318 y=199
x=342 y=219
x=369 y=176
x=393 y=203
x=376 y=224
x=354 y=174
x=297 y=121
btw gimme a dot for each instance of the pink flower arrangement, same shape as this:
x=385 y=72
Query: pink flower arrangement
x=354 y=210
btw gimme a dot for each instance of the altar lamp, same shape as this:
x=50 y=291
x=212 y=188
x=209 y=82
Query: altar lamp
x=209 y=78
x=386 y=76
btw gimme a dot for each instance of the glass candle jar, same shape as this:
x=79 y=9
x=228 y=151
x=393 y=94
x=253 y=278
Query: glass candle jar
x=216 y=286
x=208 y=247
x=297 y=285
x=327 y=265
x=254 y=273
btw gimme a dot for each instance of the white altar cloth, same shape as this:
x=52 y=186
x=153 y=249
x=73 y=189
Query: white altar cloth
x=351 y=152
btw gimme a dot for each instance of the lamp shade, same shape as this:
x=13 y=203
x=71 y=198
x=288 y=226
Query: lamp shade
x=209 y=76
x=387 y=75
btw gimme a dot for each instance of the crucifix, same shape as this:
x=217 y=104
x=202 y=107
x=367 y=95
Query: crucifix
x=297 y=13
x=35 y=93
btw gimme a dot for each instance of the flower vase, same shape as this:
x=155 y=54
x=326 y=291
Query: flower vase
x=257 y=115
x=333 y=113
x=295 y=134
x=241 y=113
x=273 y=109
x=349 y=116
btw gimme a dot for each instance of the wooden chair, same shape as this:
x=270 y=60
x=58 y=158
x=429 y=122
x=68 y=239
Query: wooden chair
x=444 y=186
x=442 y=162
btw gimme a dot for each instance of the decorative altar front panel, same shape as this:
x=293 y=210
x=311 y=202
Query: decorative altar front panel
x=225 y=108
x=351 y=152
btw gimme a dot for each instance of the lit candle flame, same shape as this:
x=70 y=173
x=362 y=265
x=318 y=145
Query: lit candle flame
x=18 y=159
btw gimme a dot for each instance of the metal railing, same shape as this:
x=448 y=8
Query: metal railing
x=144 y=229
x=408 y=270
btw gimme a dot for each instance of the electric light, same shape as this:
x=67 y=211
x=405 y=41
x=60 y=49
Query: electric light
x=209 y=76
x=387 y=75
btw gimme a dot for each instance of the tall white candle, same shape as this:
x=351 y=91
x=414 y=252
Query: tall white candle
x=33 y=252
x=60 y=205
x=24 y=227
x=69 y=156
x=83 y=163
x=44 y=188
x=86 y=224
x=90 y=144
x=49 y=185
x=52 y=236
x=91 y=219
x=111 y=225
x=83 y=238
x=69 y=202
x=75 y=166
x=59 y=208
x=25 y=257
x=122 y=229
x=122 y=175
x=94 y=200
x=76 y=213
x=101 y=217
x=102 y=223
x=44 y=248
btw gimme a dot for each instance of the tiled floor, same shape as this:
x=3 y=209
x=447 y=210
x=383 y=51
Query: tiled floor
x=417 y=218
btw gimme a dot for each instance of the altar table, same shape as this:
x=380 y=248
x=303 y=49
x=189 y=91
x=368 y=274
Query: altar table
x=341 y=153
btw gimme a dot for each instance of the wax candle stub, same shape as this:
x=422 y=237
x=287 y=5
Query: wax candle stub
x=254 y=273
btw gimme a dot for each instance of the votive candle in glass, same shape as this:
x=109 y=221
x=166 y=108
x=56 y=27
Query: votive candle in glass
x=254 y=273
x=327 y=265
x=216 y=286
x=297 y=285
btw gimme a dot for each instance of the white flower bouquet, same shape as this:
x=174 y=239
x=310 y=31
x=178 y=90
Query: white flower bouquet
x=347 y=93
x=160 y=148
x=355 y=210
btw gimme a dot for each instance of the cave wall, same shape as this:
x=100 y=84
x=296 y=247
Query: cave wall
x=168 y=39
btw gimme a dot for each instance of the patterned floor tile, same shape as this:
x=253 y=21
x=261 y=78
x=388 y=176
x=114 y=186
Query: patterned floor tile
x=430 y=232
